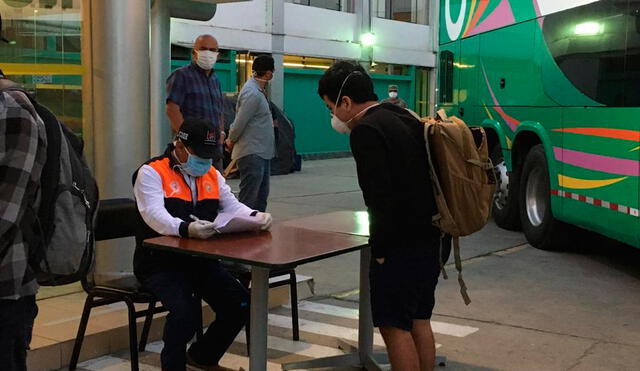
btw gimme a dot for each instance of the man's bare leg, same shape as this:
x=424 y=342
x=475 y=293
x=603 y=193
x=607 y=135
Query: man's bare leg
x=401 y=349
x=425 y=343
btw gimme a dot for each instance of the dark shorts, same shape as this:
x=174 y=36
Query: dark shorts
x=402 y=289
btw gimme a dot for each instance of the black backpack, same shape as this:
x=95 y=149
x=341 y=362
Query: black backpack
x=61 y=234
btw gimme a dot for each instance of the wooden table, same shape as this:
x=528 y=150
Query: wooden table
x=283 y=246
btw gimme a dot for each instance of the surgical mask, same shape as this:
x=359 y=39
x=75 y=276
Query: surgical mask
x=255 y=76
x=196 y=166
x=206 y=59
x=393 y=94
x=343 y=127
x=339 y=125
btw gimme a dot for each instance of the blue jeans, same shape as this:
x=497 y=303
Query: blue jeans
x=224 y=294
x=254 y=181
x=16 y=324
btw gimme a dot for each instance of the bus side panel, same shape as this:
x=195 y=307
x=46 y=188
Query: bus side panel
x=601 y=173
x=468 y=68
x=507 y=66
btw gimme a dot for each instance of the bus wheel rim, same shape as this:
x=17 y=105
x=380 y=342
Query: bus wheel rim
x=502 y=188
x=536 y=199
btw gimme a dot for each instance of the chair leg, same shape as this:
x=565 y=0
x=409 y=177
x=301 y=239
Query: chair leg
x=293 y=284
x=147 y=327
x=247 y=333
x=200 y=331
x=82 y=328
x=133 y=337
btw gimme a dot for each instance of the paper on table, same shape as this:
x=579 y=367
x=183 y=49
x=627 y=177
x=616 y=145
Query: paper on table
x=230 y=223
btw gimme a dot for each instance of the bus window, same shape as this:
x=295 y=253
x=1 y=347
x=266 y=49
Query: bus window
x=446 y=76
x=589 y=45
x=632 y=65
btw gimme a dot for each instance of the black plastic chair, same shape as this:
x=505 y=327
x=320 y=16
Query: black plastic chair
x=119 y=218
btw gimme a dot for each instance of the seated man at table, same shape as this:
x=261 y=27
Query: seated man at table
x=180 y=194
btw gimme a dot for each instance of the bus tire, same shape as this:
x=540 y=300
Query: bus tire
x=541 y=229
x=505 y=203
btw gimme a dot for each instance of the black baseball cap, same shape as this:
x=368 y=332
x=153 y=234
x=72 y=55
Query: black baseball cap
x=263 y=63
x=201 y=136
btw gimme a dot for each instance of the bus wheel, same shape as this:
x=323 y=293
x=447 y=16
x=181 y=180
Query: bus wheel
x=505 y=203
x=542 y=230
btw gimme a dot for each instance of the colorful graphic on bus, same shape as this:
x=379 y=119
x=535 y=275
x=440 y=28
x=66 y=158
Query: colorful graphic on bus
x=556 y=85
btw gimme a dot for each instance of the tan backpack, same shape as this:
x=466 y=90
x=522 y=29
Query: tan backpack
x=463 y=180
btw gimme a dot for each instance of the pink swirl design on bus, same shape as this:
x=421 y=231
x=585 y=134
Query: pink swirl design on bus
x=512 y=122
x=605 y=164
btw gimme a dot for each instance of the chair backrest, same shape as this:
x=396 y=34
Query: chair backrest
x=117 y=218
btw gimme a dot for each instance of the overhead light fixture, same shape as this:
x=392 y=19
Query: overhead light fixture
x=589 y=29
x=368 y=39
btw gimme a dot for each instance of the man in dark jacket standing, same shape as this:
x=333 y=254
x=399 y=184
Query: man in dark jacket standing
x=389 y=149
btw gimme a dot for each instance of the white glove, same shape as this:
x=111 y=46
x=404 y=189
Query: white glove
x=202 y=229
x=265 y=220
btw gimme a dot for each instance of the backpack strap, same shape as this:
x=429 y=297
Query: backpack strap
x=458 y=261
x=442 y=269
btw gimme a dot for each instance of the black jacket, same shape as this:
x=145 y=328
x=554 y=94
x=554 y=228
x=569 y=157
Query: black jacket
x=389 y=149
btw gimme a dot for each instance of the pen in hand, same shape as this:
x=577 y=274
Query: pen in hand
x=196 y=219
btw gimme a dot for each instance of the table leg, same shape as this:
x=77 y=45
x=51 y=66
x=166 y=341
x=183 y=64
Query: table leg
x=365 y=323
x=364 y=356
x=259 y=318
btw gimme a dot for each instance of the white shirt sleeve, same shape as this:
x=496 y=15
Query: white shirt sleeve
x=228 y=202
x=150 y=200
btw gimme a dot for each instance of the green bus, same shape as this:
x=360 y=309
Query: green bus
x=556 y=85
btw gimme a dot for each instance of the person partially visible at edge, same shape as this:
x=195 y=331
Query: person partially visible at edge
x=389 y=150
x=22 y=157
x=393 y=97
x=251 y=136
x=180 y=194
x=194 y=91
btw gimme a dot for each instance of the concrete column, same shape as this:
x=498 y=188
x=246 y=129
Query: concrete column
x=115 y=37
x=277 y=46
x=159 y=129
x=434 y=24
x=120 y=90
x=363 y=13
x=87 y=85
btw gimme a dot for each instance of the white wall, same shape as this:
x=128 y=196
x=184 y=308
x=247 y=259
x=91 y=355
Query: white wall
x=309 y=31
x=402 y=43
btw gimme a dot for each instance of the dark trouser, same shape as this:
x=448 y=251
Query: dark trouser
x=224 y=294
x=254 y=181
x=16 y=323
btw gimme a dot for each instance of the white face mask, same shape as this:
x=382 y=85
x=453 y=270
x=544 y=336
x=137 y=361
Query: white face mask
x=255 y=76
x=343 y=127
x=339 y=125
x=206 y=59
x=393 y=94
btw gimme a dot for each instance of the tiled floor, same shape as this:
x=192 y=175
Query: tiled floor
x=59 y=314
x=324 y=327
